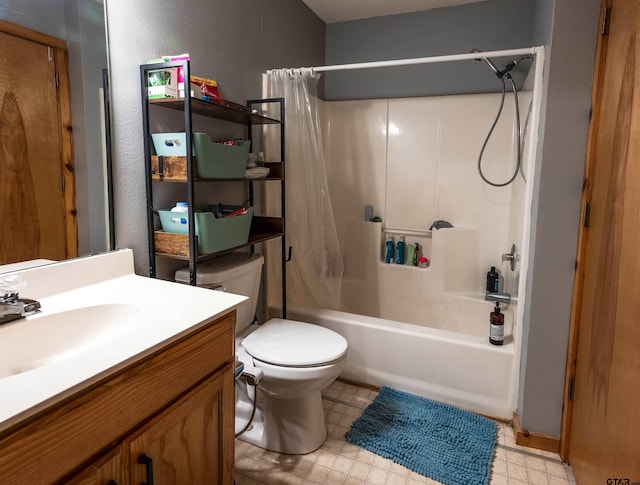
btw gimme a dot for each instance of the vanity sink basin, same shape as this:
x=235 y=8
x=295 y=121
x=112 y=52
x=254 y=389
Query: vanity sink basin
x=44 y=339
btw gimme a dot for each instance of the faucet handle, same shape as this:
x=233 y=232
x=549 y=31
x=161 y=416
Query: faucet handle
x=10 y=286
x=511 y=257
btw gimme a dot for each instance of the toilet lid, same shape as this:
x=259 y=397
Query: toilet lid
x=294 y=344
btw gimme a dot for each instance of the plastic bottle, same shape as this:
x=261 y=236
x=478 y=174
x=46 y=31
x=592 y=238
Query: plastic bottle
x=368 y=212
x=400 y=251
x=411 y=255
x=390 y=250
x=493 y=280
x=180 y=207
x=496 y=326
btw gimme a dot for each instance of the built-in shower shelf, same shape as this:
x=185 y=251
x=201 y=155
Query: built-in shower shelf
x=406 y=232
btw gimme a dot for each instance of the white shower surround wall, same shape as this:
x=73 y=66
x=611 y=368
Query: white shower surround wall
x=414 y=160
x=434 y=297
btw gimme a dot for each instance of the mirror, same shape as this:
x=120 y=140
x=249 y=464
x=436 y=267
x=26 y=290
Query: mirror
x=81 y=25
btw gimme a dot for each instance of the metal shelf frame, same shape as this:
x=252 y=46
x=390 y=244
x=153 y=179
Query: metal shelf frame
x=232 y=113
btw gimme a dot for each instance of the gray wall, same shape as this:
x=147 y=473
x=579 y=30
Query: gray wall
x=231 y=42
x=46 y=16
x=488 y=25
x=81 y=24
x=568 y=29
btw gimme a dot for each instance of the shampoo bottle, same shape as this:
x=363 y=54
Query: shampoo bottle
x=493 y=280
x=496 y=326
x=390 y=250
x=400 y=251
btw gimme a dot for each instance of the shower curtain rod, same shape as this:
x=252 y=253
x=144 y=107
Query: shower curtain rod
x=528 y=51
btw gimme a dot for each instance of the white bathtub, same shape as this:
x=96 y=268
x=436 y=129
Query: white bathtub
x=452 y=367
x=424 y=331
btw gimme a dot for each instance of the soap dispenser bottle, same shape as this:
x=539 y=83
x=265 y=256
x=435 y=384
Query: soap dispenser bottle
x=400 y=251
x=390 y=250
x=496 y=326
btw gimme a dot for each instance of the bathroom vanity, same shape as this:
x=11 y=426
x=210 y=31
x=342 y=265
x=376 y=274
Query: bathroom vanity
x=150 y=402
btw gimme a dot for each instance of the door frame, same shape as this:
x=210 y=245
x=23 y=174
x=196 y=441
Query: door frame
x=583 y=234
x=67 y=163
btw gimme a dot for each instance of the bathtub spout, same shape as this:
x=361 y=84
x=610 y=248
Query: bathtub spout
x=500 y=297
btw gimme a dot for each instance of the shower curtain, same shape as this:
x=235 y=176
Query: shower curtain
x=314 y=273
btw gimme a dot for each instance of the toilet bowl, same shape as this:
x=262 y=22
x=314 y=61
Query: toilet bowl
x=293 y=362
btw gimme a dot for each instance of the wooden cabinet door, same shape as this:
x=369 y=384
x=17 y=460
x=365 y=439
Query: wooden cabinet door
x=192 y=442
x=108 y=470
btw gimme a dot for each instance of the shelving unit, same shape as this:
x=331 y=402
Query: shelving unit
x=181 y=169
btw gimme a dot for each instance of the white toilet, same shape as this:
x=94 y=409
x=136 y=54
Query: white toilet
x=292 y=362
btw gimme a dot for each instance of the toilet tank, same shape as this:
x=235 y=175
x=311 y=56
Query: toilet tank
x=238 y=273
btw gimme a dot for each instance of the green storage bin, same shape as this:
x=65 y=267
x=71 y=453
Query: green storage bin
x=214 y=235
x=216 y=160
x=213 y=160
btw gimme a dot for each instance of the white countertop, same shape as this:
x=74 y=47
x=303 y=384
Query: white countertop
x=164 y=311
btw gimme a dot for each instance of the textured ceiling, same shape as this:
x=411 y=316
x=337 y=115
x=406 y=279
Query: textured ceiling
x=342 y=10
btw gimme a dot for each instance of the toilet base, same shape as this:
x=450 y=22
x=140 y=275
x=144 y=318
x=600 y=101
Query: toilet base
x=290 y=426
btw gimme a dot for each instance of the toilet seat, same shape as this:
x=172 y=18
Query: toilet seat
x=290 y=343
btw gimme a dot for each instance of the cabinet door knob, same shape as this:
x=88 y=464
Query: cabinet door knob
x=148 y=463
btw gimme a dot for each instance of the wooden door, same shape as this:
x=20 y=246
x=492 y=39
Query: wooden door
x=37 y=210
x=605 y=427
x=191 y=443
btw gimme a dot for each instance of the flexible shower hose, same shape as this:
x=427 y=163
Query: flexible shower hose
x=495 y=122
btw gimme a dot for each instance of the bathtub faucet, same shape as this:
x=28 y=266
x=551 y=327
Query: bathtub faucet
x=500 y=297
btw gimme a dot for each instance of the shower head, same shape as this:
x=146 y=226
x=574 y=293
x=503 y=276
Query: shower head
x=504 y=72
x=514 y=63
x=490 y=62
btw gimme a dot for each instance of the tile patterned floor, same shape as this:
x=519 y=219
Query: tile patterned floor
x=340 y=463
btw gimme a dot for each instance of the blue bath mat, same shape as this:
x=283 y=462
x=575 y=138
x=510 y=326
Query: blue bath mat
x=433 y=439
